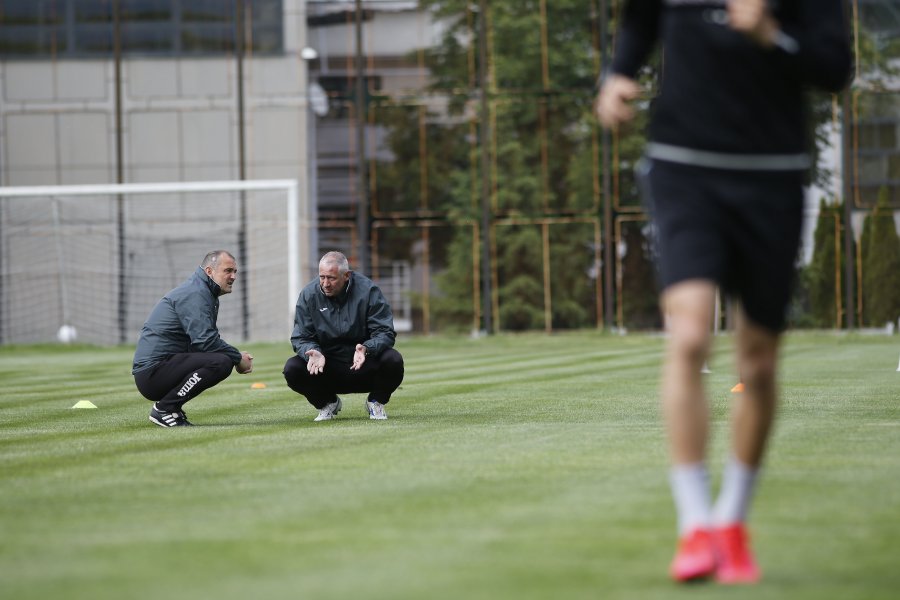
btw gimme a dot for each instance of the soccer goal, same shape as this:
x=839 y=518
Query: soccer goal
x=88 y=262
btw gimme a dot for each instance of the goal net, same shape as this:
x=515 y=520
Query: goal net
x=89 y=262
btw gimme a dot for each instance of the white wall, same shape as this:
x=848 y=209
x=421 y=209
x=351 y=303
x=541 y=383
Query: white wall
x=179 y=122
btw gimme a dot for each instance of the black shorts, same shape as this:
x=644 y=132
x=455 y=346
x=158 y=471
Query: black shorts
x=739 y=229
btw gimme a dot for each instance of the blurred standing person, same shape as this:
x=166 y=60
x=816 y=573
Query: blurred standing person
x=179 y=353
x=725 y=167
x=344 y=341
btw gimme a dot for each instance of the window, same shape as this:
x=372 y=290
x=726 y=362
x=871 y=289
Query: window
x=85 y=28
x=341 y=91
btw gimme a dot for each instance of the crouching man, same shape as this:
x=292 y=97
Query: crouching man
x=179 y=353
x=344 y=341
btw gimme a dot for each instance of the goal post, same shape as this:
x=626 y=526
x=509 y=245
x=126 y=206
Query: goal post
x=88 y=262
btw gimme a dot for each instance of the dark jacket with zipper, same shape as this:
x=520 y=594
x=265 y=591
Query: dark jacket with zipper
x=359 y=314
x=184 y=320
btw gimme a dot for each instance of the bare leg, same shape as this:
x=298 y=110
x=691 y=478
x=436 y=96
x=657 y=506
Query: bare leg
x=754 y=410
x=688 y=307
x=751 y=421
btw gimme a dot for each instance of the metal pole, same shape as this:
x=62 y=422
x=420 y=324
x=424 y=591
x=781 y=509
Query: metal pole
x=293 y=215
x=312 y=194
x=3 y=275
x=484 y=143
x=847 y=184
x=61 y=264
x=362 y=209
x=608 y=258
x=242 y=164
x=120 y=169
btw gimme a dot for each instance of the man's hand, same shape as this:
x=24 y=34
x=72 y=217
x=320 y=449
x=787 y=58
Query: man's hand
x=613 y=103
x=315 y=362
x=246 y=364
x=359 y=357
x=753 y=19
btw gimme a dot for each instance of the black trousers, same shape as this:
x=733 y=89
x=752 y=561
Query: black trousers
x=181 y=377
x=380 y=376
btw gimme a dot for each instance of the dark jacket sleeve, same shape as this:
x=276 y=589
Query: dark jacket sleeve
x=197 y=317
x=303 y=337
x=379 y=323
x=818 y=46
x=637 y=36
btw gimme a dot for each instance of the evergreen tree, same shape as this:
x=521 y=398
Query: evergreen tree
x=541 y=157
x=452 y=308
x=640 y=308
x=881 y=265
x=820 y=278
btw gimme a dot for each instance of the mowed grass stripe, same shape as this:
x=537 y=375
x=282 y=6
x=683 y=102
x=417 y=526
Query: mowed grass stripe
x=543 y=476
x=584 y=359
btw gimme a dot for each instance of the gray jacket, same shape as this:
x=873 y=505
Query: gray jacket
x=183 y=321
x=360 y=314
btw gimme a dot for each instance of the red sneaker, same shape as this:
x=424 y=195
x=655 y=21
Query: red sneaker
x=736 y=562
x=695 y=557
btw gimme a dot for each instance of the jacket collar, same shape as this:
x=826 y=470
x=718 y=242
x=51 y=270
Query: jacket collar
x=212 y=285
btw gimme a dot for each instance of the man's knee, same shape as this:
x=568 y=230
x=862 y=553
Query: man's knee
x=221 y=365
x=690 y=340
x=294 y=370
x=392 y=357
x=392 y=361
x=759 y=370
x=390 y=371
x=688 y=308
x=757 y=350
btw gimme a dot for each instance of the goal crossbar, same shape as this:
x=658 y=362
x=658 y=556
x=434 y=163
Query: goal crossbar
x=289 y=186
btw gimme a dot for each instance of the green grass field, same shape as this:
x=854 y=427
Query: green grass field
x=525 y=466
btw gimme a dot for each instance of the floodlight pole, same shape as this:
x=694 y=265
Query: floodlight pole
x=120 y=169
x=484 y=143
x=847 y=184
x=362 y=208
x=608 y=259
x=242 y=166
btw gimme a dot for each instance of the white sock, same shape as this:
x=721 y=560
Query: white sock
x=690 y=489
x=738 y=484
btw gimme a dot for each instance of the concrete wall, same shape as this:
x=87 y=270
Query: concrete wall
x=180 y=122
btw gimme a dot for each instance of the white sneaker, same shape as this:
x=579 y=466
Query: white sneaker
x=376 y=410
x=329 y=412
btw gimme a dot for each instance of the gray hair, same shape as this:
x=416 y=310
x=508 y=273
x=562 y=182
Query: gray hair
x=336 y=258
x=212 y=258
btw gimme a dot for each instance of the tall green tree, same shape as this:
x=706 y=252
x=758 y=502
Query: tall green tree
x=543 y=157
x=823 y=278
x=639 y=301
x=880 y=246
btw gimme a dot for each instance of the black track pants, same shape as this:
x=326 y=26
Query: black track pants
x=182 y=377
x=379 y=376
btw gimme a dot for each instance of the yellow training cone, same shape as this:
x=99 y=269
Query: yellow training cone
x=258 y=386
x=738 y=388
x=84 y=404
